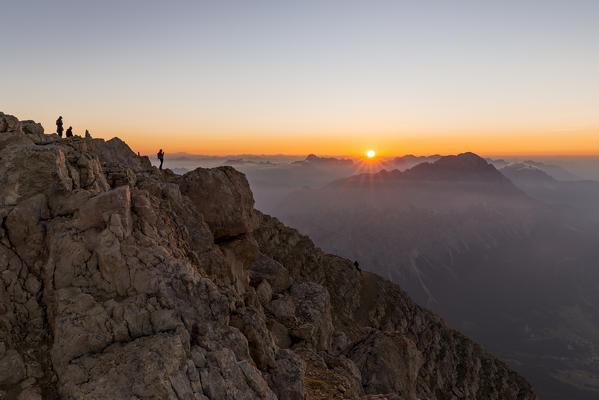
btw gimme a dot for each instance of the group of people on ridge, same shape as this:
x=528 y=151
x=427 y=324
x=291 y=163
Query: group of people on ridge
x=69 y=132
x=59 y=128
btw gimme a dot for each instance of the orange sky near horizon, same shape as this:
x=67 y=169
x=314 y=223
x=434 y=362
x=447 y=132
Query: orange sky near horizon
x=193 y=137
x=350 y=142
x=572 y=143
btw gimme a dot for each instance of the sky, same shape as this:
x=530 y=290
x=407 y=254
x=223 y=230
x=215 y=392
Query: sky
x=296 y=77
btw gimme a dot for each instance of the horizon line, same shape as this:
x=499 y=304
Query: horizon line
x=378 y=156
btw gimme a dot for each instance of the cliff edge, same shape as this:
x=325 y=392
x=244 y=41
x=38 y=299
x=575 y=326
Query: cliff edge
x=120 y=281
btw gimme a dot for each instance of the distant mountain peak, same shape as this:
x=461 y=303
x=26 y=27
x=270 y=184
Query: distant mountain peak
x=467 y=159
x=462 y=167
x=520 y=172
x=458 y=174
x=410 y=160
x=312 y=159
x=553 y=170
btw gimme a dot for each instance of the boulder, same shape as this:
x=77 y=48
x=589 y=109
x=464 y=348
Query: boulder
x=388 y=363
x=9 y=123
x=287 y=377
x=280 y=334
x=265 y=268
x=32 y=170
x=118 y=174
x=282 y=308
x=32 y=127
x=240 y=254
x=313 y=309
x=264 y=292
x=224 y=196
x=117 y=151
x=109 y=209
x=260 y=342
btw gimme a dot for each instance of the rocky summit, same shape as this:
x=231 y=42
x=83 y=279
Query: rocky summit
x=121 y=281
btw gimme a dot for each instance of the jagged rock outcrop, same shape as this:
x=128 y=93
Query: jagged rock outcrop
x=120 y=281
x=32 y=127
x=9 y=123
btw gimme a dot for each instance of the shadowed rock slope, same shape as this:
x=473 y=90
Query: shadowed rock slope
x=120 y=281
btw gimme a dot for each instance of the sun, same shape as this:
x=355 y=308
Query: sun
x=370 y=153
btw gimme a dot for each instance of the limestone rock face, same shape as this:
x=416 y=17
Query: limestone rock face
x=115 y=150
x=225 y=197
x=9 y=123
x=32 y=127
x=28 y=169
x=267 y=269
x=120 y=281
x=387 y=351
x=313 y=308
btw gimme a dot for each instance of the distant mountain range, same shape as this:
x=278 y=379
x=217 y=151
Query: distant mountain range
x=313 y=159
x=580 y=196
x=409 y=161
x=555 y=171
x=507 y=256
x=522 y=172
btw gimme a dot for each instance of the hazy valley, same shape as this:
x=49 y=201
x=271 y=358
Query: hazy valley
x=508 y=257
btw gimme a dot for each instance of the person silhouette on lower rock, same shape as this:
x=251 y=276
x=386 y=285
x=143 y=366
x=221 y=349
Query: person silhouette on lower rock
x=161 y=158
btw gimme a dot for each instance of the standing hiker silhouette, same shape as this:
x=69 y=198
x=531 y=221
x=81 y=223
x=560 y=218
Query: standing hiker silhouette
x=161 y=158
x=59 y=126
